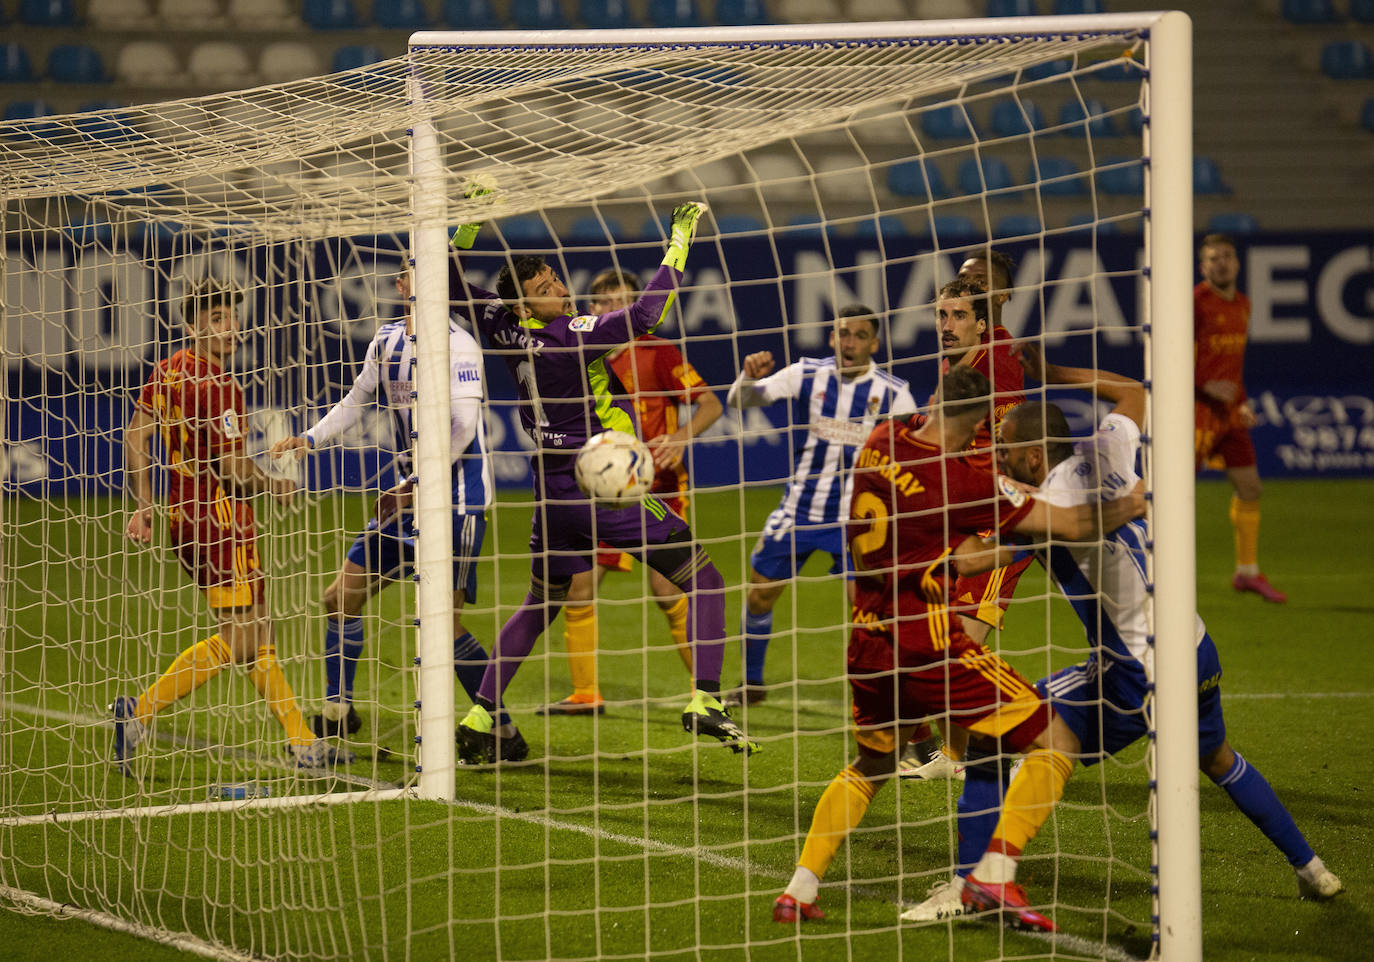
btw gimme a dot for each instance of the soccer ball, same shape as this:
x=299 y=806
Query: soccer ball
x=615 y=469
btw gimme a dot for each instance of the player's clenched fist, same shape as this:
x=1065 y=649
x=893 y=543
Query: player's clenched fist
x=140 y=527
x=759 y=364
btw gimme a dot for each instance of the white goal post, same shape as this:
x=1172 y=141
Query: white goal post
x=1168 y=249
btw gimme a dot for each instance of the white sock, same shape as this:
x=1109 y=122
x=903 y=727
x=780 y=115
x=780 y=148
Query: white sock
x=1248 y=571
x=805 y=885
x=1312 y=869
x=995 y=868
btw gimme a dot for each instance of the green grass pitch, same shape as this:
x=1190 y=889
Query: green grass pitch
x=621 y=837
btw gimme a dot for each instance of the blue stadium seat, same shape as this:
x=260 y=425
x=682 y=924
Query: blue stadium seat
x=952 y=225
x=76 y=63
x=14 y=64
x=1310 y=11
x=805 y=227
x=1073 y=8
x=471 y=15
x=1232 y=222
x=1016 y=225
x=1367 y=115
x=1347 y=60
x=944 y=123
x=675 y=13
x=538 y=14
x=353 y=56
x=1207 y=177
x=1362 y=11
x=331 y=15
x=47 y=13
x=1135 y=120
x=740 y=13
x=1121 y=176
x=996 y=175
x=605 y=14
x=916 y=178
x=738 y=223
x=401 y=15
x=1009 y=118
x=1050 y=68
x=1012 y=8
x=1073 y=114
x=1058 y=177
x=28 y=109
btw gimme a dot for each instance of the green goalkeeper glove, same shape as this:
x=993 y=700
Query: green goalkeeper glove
x=685 y=217
x=466 y=234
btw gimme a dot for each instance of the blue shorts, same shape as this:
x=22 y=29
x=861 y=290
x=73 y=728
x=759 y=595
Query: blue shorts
x=1107 y=709
x=784 y=546
x=389 y=551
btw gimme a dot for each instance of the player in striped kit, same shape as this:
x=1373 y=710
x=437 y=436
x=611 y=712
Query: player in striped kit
x=1103 y=701
x=840 y=398
x=384 y=552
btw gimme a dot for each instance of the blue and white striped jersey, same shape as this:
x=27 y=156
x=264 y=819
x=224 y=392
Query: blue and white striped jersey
x=386 y=379
x=1106 y=581
x=840 y=415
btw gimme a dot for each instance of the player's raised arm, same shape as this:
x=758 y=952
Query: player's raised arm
x=746 y=392
x=138 y=466
x=1126 y=393
x=243 y=473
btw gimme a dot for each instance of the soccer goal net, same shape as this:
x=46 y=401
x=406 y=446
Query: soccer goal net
x=169 y=690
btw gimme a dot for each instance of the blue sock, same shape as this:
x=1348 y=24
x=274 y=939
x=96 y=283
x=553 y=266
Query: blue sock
x=1254 y=796
x=343 y=646
x=470 y=664
x=757 y=631
x=980 y=805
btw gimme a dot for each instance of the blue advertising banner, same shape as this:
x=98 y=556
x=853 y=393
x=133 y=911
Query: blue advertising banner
x=78 y=340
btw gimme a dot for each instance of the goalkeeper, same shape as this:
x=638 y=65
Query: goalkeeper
x=558 y=360
x=384 y=552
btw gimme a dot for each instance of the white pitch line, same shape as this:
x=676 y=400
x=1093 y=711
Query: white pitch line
x=378 y=791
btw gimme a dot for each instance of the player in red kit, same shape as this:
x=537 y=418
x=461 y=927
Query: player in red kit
x=1221 y=321
x=657 y=379
x=915 y=501
x=198 y=409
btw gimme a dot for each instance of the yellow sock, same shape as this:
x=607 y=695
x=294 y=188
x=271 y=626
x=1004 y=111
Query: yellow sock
x=677 y=625
x=579 y=635
x=190 y=669
x=1030 y=799
x=839 y=811
x=266 y=674
x=1245 y=519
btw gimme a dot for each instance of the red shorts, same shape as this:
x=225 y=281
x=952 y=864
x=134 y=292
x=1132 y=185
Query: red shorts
x=986 y=596
x=216 y=545
x=972 y=685
x=619 y=560
x=1220 y=440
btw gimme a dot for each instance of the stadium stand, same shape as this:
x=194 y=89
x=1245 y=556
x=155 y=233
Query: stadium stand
x=120 y=14
x=1011 y=118
x=604 y=14
x=945 y=123
x=1011 y=8
x=471 y=15
x=1310 y=11
x=401 y=15
x=994 y=175
x=220 y=63
x=946 y=9
x=148 y=63
x=15 y=67
x=1347 y=60
x=1207 y=177
x=47 y=13
x=538 y=14
x=288 y=60
x=675 y=13
x=352 y=56
x=76 y=63
x=1016 y=225
x=952 y=226
x=877 y=10
x=736 y=13
x=1232 y=222
x=190 y=14
x=1057 y=177
x=331 y=15
x=263 y=15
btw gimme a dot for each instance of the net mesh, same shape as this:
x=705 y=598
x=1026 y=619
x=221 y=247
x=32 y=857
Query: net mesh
x=836 y=171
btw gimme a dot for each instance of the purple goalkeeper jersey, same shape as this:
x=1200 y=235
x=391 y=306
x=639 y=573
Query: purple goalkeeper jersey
x=560 y=365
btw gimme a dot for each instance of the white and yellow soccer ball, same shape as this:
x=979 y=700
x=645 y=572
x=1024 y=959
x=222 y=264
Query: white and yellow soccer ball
x=615 y=469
